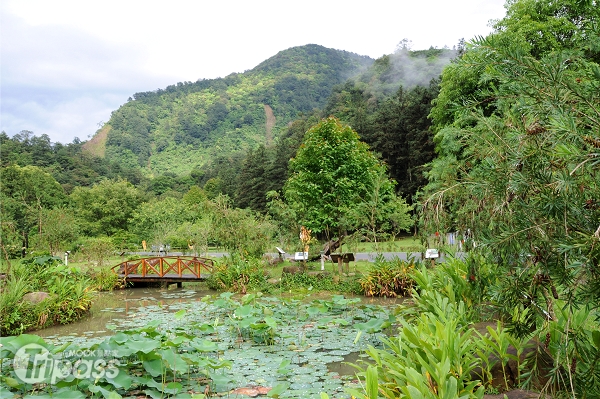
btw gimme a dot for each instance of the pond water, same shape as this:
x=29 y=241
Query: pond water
x=122 y=304
x=311 y=338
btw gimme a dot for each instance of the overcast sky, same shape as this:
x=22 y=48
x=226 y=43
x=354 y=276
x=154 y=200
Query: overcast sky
x=65 y=65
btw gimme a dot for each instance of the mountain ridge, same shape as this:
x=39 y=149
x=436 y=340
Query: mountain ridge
x=181 y=127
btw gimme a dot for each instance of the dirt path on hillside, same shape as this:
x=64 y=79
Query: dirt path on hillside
x=269 y=125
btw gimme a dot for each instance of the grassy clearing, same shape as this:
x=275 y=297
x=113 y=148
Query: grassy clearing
x=403 y=244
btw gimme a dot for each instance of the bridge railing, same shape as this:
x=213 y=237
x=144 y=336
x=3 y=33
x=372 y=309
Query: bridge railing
x=160 y=266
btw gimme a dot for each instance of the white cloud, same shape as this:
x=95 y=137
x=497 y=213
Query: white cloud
x=65 y=64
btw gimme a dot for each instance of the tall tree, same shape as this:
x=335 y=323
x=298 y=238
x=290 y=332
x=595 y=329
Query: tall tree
x=154 y=220
x=106 y=207
x=252 y=184
x=25 y=193
x=332 y=173
x=401 y=134
x=59 y=229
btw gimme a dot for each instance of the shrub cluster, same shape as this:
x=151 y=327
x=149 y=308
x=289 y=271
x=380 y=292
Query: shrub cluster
x=69 y=298
x=238 y=275
x=388 y=278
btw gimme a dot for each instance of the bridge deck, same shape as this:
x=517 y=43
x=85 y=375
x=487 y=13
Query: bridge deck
x=174 y=278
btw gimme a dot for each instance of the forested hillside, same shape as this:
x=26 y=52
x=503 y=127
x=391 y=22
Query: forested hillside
x=502 y=149
x=187 y=125
x=183 y=126
x=387 y=105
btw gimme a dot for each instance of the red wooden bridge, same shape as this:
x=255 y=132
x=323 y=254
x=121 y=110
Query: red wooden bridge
x=165 y=269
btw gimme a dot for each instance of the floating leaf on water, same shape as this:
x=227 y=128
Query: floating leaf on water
x=278 y=390
x=203 y=345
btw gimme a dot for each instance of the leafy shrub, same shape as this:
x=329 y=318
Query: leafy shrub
x=97 y=250
x=433 y=358
x=437 y=354
x=69 y=289
x=104 y=280
x=10 y=298
x=389 y=278
x=238 y=275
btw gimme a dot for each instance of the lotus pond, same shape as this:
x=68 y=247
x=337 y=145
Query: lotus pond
x=184 y=344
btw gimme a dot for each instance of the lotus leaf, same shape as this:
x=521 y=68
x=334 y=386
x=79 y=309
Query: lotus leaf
x=278 y=390
x=203 y=345
x=105 y=392
x=153 y=393
x=121 y=380
x=173 y=360
x=154 y=367
x=172 y=388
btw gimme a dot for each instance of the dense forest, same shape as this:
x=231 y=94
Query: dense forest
x=215 y=135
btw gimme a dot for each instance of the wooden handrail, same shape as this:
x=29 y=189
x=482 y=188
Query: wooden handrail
x=156 y=265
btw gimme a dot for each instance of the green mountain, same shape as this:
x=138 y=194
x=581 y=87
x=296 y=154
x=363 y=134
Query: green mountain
x=181 y=127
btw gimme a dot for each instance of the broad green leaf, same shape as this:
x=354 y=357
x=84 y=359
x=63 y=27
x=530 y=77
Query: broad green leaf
x=179 y=314
x=154 y=367
x=278 y=390
x=174 y=360
x=172 y=388
x=204 y=345
x=154 y=394
x=121 y=380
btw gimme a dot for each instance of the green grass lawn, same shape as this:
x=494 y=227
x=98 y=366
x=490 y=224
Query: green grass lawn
x=403 y=244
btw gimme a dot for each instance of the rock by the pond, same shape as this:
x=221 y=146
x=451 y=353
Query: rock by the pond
x=35 y=297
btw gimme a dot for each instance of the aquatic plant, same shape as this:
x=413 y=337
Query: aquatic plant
x=225 y=343
x=436 y=352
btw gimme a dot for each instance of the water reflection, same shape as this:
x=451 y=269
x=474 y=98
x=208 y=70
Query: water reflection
x=120 y=304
